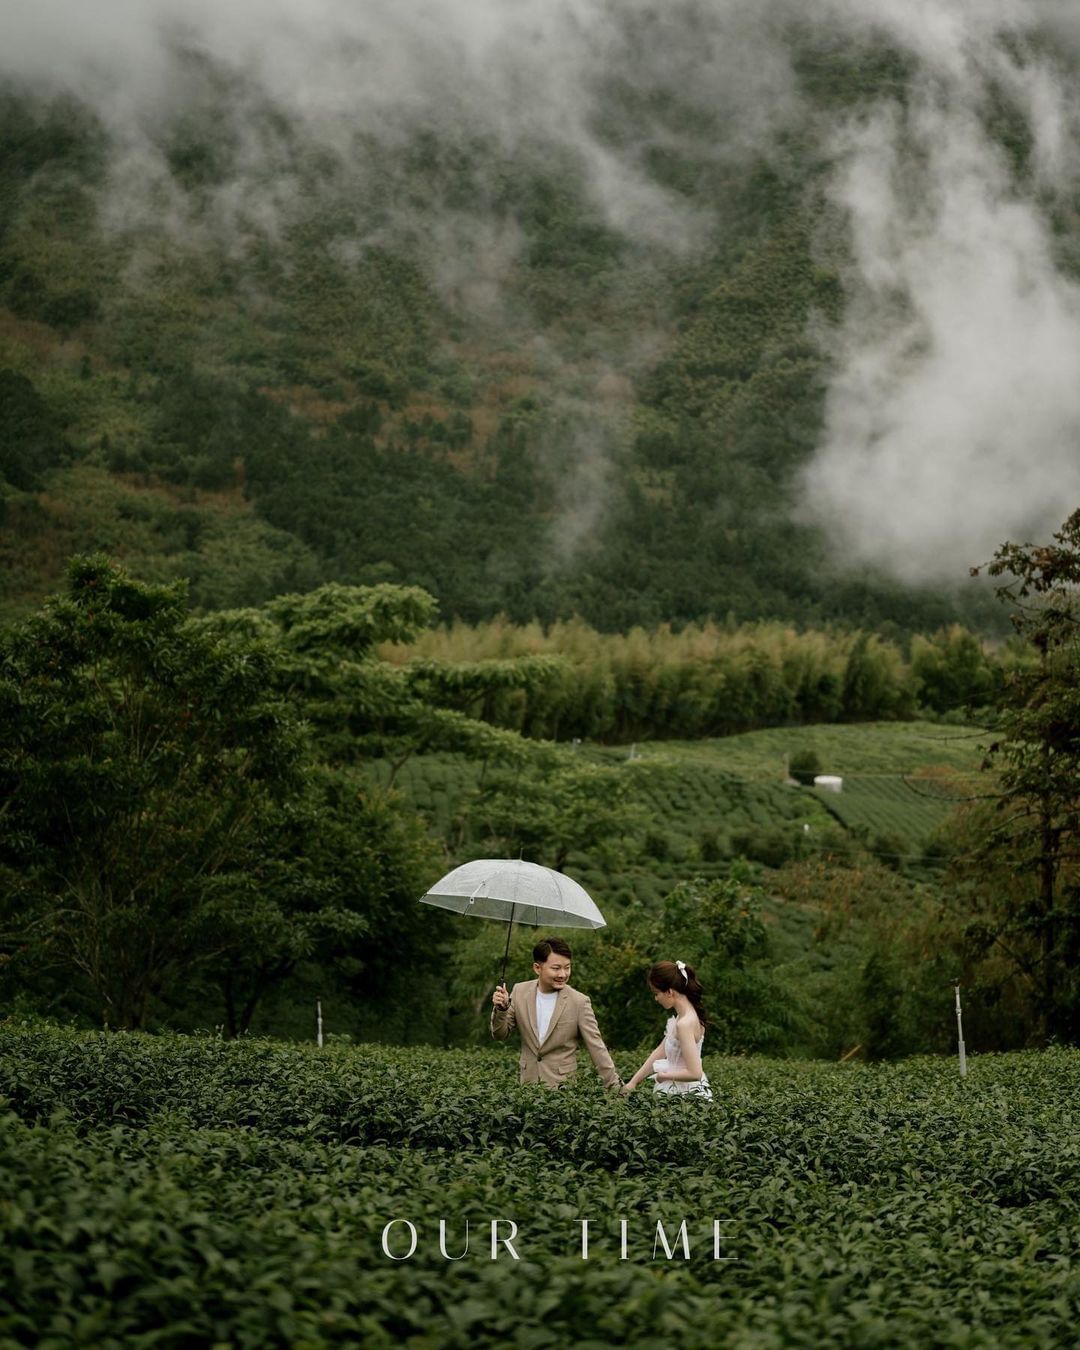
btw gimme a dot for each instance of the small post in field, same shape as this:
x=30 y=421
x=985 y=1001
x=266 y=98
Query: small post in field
x=960 y=1030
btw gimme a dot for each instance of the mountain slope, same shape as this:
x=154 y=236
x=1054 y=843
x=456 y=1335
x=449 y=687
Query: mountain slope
x=535 y=373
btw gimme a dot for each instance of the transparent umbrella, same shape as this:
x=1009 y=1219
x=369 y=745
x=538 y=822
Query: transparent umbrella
x=510 y=890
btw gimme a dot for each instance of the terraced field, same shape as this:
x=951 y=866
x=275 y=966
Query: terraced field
x=891 y=808
x=900 y=781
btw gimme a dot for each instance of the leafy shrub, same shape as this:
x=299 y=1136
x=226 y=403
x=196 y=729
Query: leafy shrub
x=711 y=846
x=771 y=845
x=172 y=1191
x=804 y=766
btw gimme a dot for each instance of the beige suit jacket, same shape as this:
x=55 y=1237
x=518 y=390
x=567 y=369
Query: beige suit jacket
x=555 y=1060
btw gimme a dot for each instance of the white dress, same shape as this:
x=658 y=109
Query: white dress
x=694 y=1087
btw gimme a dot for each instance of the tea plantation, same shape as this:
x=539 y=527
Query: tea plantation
x=173 y=1191
x=708 y=801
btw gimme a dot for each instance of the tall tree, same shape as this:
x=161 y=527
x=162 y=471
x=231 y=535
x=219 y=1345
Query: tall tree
x=1034 y=833
x=361 y=706
x=334 y=887
x=356 y=859
x=140 y=761
x=558 y=805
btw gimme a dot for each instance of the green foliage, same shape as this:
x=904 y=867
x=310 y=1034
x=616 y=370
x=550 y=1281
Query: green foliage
x=165 y=830
x=203 y=430
x=715 y=926
x=804 y=766
x=199 y=1191
x=554 y=806
x=163 y=750
x=891 y=945
x=349 y=621
x=31 y=438
x=436 y=784
x=705 y=802
x=333 y=888
x=771 y=845
x=236 y=561
x=325 y=642
x=1020 y=865
x=171 y=832
x=880 y=993
x=676 y=799
x=228 y=555
x=704 y=680
x=211 y=849
x=952 y=670
x=749 y=1009
x=872 y=686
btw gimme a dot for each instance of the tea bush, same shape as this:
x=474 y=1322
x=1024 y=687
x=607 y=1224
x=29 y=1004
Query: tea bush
x=173 y=1191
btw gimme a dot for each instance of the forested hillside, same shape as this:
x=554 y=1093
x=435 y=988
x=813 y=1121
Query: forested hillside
x=423 y=339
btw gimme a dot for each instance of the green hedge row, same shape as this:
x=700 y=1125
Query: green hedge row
x=169 y=1236
x=180 y=1192
x=1009 y=1133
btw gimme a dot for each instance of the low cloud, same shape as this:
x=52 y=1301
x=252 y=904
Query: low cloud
x=519 y=76
x=953 y=416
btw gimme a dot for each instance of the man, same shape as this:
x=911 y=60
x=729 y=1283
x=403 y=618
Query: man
x=551 y=1018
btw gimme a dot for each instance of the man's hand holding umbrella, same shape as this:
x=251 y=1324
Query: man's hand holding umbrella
x=551 y=1018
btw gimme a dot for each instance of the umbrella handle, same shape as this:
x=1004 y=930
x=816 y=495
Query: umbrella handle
x=506 y=953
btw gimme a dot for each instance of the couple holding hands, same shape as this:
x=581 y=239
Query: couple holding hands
x=551 y=1019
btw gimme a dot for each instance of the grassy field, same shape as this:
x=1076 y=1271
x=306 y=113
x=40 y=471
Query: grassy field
x=174 y=1191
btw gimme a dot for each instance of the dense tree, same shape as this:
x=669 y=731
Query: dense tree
x=715 y=926
x=141 y=761
x=333 y=886
x=539 y=459
x=166 y=822
x=702 y=680
x=1033 y=835
x=894 y=948
x=952 y=669
x=361 y=706
x=803 y=766
x=557 y=805
x=31 y=438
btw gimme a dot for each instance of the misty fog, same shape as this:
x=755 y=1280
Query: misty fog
x=953 y=408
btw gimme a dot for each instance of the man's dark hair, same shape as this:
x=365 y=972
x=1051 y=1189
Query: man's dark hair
x=546 y=946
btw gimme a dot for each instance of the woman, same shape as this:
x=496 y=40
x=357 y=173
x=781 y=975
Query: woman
x=676 y=1062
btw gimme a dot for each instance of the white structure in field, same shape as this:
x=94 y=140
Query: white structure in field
x=829 y=782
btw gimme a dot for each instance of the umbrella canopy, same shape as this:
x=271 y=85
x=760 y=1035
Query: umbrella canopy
x=511 y=890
